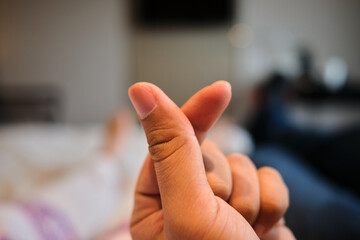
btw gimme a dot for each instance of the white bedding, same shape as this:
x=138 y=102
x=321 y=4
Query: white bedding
x=49 y=163
x=45 y=162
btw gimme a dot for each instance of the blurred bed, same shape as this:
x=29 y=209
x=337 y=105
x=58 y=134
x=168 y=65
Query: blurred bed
x=67 y=168
x=47 y=162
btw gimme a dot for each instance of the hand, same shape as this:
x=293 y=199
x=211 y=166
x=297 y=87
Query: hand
x=173 y=199
x=260 y=196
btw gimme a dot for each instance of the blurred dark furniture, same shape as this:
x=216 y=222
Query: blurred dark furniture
x=319 y=162
x=335 y=153
x=41 y=103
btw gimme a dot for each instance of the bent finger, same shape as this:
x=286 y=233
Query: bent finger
x=217 y=169
x=274 y=200
x=245 y=197
x=206 y=106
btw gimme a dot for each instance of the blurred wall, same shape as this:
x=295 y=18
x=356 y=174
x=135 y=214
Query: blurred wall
x=181 y=61
x=79 y=45
x=83 y=46
x=327 y=27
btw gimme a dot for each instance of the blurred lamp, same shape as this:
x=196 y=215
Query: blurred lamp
x=335 y=73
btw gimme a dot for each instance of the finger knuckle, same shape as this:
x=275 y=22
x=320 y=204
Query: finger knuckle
x=276 y=197
x=274 y=205
x=164 y=142
x=220 y=188
x=248 y=208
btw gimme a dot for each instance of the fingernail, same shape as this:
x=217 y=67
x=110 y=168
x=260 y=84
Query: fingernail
x=260 y=230
x=142 y=99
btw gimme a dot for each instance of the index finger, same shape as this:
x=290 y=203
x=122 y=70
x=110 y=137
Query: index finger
x=206 y=106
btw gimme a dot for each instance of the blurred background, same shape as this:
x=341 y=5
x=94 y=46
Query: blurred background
x=81 y=49
x=65 y=67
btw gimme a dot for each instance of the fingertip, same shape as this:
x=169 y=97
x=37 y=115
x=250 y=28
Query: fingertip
x=150 y=86
x=143 y=99
x=224 y=83
x=224 y=88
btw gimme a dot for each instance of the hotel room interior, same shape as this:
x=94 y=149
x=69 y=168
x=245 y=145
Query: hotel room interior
x=69 y=138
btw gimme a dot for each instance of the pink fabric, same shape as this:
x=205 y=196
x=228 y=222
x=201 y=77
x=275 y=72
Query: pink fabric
x=49 y=223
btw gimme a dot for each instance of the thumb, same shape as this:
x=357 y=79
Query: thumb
x=173 y=147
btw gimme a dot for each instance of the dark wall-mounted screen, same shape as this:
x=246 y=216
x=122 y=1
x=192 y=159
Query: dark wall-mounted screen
x=150 y=13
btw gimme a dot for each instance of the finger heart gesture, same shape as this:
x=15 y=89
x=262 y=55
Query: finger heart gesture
x=187 y=188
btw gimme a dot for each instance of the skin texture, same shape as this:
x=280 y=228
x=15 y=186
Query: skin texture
x=174 y=196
